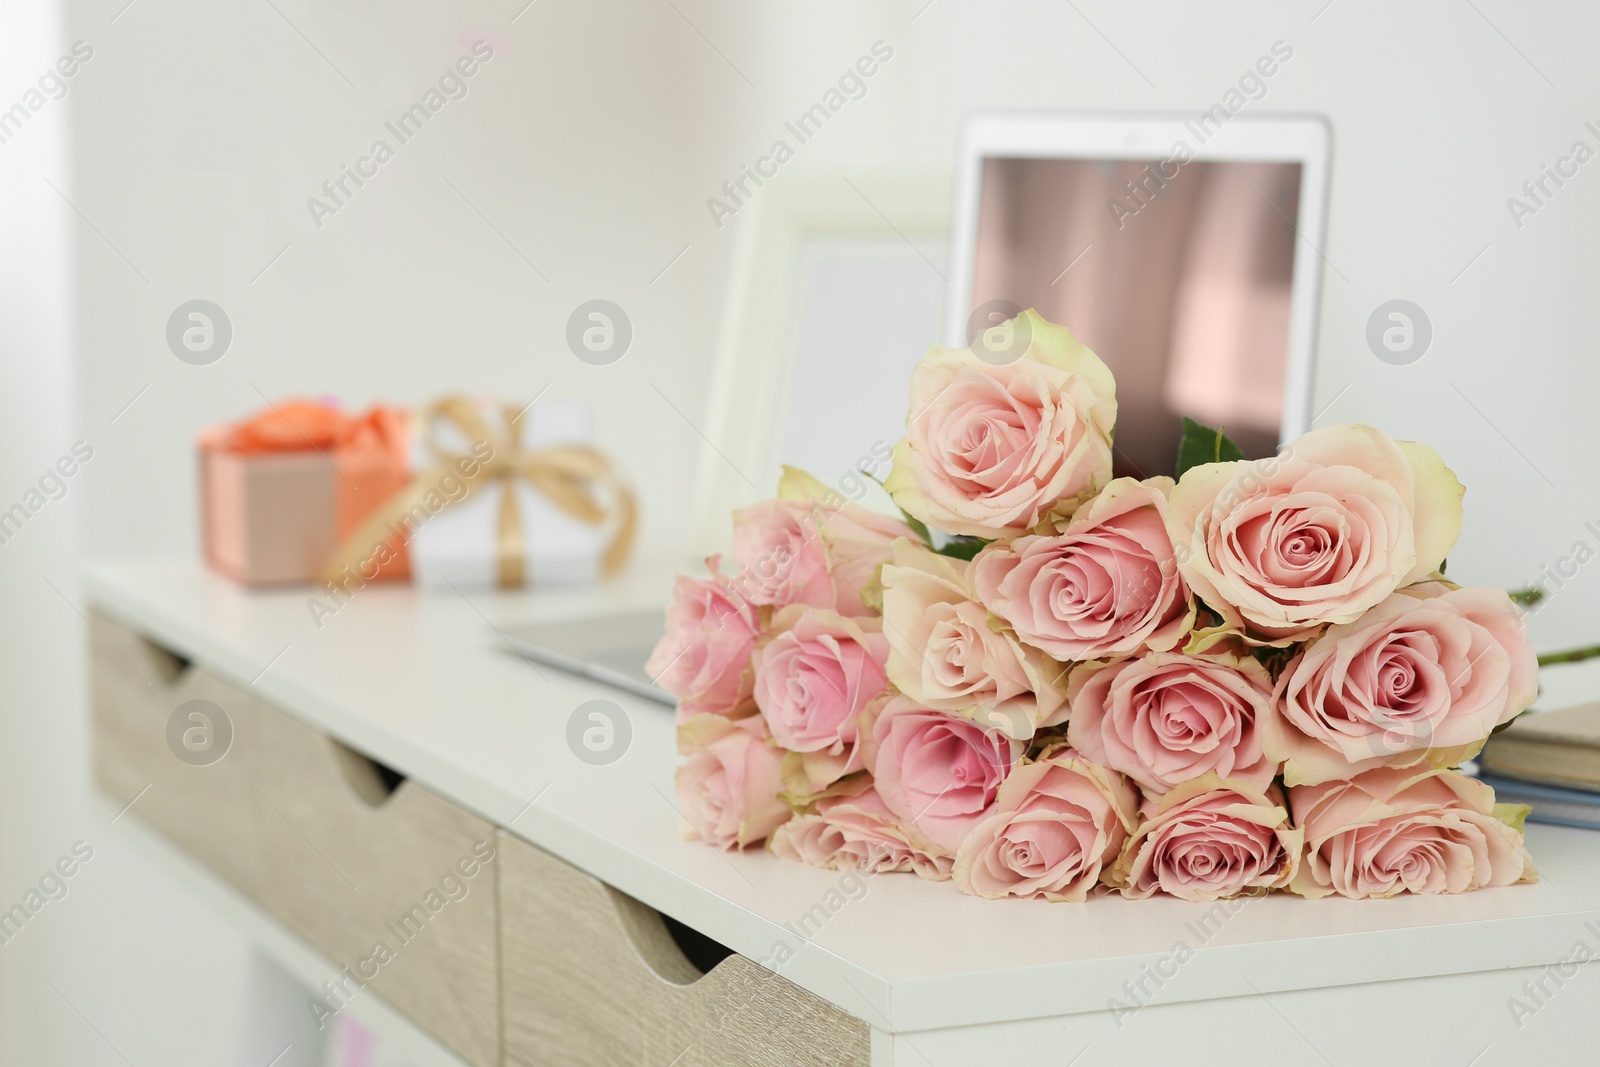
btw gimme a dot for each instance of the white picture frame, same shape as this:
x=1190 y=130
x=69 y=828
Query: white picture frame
x=902 y=215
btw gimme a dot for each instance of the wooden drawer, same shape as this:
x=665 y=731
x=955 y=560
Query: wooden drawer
x=592 y=977
x=396 y=885
x=205 y=806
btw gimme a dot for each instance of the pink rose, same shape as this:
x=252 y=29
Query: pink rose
x=704 y=656
x=1106 y=585
x=779 y=556
x=1424 y=677
x=1394 y=831
x=1319 y=534
x=856 y=541
x=812 y=680
x=1166 y=717
x=938 y=773
x=991 y=447
x=859 y=542
x=1056 y=824
x=728 y=786
x=1211 y=838
x=856 y=833
x=944 y=654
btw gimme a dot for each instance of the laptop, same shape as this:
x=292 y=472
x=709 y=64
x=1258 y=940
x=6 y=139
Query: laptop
x=610 y=648
x=1185 y=250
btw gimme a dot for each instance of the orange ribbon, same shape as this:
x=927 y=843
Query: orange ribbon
x=305 y=425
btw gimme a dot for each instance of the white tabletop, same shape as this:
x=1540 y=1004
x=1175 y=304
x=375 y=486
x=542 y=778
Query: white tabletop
x=423 y=683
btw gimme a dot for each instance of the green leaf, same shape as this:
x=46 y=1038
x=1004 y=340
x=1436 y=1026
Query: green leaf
x=962 y=547
x=1513 y=815
x=1202 y=444
x=917 y=525
x=1508 y=723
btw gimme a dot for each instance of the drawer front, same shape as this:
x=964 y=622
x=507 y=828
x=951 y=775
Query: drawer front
x=396 y=885
x=591 y=976
x=200 y=799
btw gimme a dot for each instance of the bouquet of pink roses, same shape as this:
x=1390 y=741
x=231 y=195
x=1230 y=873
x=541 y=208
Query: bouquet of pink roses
x=1253 y=678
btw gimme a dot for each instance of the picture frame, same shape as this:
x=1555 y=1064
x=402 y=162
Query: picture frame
x=874 y=242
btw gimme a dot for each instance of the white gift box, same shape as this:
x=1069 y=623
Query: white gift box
x=457 y=545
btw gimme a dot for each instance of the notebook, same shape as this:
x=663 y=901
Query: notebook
x=1551 y=804
x=1560 y=748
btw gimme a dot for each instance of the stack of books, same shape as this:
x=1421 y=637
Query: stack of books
x=1550 y=761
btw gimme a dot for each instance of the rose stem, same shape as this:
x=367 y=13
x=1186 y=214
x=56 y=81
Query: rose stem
x=1570 y=655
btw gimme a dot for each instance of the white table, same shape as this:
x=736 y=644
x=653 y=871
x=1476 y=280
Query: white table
x=424 y=684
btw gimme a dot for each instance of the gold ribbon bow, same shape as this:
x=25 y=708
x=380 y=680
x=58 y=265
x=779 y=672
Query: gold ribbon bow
x=575 y=478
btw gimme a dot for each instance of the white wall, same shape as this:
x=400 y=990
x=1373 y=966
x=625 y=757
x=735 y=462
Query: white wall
x=591 y=142
x=594 y=136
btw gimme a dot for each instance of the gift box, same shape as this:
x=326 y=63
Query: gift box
x=279 y=491
x=504 y=495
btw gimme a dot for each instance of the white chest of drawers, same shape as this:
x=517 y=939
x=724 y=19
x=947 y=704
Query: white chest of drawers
x=890 y=971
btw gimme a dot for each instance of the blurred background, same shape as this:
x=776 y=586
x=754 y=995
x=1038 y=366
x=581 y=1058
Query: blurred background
x=177 y=160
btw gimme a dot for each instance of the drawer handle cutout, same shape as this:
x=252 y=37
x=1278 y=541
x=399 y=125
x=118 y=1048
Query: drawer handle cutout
x=372 y=781
x=676 y=953
x=702 y=952
x=171 y=665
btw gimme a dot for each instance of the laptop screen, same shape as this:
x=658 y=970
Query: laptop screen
x=1177 y=275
